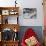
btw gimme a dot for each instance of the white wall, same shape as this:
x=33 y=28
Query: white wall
x=27 y=4
x=7 y=3
x=32 y=4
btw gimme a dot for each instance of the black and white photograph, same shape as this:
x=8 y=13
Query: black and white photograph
x=30 y=13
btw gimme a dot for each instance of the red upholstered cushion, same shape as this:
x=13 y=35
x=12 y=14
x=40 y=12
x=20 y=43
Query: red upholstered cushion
x=29 y=33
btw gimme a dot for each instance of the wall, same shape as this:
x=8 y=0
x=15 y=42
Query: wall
x=32 y=4
x=6 y=3
x=27 y=4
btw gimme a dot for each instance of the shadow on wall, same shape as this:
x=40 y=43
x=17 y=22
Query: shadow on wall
x=37 y=29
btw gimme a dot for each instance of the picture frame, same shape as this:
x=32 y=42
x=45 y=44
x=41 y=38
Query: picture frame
x=29 y=13
x=5 y=12
x=13 y=12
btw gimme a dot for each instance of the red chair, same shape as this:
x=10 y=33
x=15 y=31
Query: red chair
x=29 y=33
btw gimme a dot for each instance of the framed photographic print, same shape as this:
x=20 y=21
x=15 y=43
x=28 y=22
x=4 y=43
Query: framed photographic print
x=5 y=12
x=30 y=13
x=12 y=12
